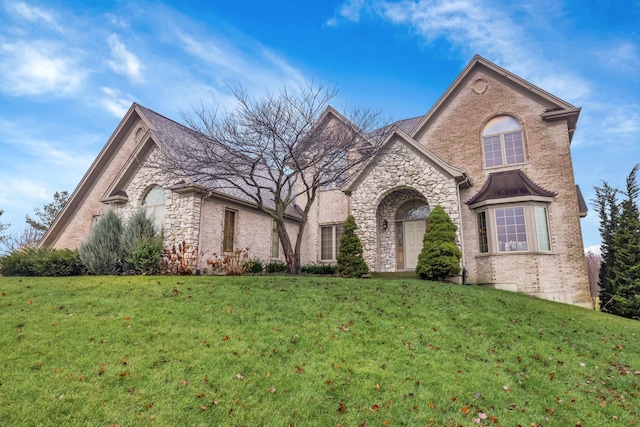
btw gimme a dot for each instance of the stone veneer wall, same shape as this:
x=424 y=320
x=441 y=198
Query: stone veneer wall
x=399 y=167
x=182 y=211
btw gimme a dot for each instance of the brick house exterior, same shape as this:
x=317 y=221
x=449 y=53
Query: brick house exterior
x=494 y=152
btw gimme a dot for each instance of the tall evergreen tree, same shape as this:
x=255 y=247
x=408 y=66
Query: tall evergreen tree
x=625 y=273
x=48 y=213
x=350 y=260
x=606 y=204
x=440 y=256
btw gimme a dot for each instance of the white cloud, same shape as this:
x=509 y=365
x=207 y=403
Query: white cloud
x=38 y=68
x=117 y=21
x=594 y=249
x=350 y=11
x=115 y=102
x=622 y=56
x=123 y=62
x=34 y=14
x=213 y=52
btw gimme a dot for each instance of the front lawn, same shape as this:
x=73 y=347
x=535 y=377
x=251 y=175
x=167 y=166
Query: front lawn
x=306 y=351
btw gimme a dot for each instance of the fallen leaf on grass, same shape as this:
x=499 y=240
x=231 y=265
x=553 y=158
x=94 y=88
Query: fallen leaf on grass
x=240 y=376
x=374 y=408
x=341 y=408
x=272 y=389
x=299 y=370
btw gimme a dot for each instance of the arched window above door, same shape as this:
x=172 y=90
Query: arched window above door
x=413 y=210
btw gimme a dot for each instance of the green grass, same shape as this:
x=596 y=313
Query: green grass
x=304 y=351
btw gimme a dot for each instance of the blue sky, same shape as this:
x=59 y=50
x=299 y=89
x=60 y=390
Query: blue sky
x=69 y=70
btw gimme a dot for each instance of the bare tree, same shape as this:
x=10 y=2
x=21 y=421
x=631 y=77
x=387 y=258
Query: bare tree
x=3 y=227
x=277 y=152
x=593 y=260
x=26 y=238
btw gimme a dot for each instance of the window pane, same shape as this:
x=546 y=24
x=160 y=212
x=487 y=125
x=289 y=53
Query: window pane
x=513 y=149
x=326 y=243
x=229 y=230
x=483 y=243
x=542 y=228
x=501 y=124
x=492 y=151
x=512 y=237
x=339 y=231
x=154 y=206
x=275 y=241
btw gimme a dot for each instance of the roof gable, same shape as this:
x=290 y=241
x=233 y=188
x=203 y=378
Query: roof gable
x=397 y=134
x=555 y=108
x=93 y=174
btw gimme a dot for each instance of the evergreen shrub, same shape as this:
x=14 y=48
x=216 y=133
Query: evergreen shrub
x=102 y=253
x=440 y=255
x=319 y=269
x=350 y=260
x=275 y=267
x=42 y=262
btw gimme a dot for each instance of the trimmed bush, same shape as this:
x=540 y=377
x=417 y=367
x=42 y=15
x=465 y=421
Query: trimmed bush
x=319 y=269
x=146 y=256
x=254 y=266
x=42 y=262
x=350 y=261
x=275 y=267
x=440 y=256
x=101 y=253
x=141 y=245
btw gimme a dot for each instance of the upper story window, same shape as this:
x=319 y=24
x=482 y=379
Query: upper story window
x=154 y=206
x=502 y=142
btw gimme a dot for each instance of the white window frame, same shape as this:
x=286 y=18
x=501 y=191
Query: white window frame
x=537 y=229
x=336 y=231
x=155 y=211
x=502 y=139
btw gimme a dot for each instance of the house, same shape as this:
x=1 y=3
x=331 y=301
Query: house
x=494 y=152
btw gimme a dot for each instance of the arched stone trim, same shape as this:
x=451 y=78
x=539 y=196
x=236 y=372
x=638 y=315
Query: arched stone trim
x=401 y=168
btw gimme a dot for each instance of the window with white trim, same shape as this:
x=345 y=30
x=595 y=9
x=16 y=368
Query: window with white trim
x=502 y=142
x=513 y=228
x=154 y=205
x=330 y=241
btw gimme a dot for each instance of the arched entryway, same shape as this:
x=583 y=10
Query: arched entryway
x=402 y=217
x=410 y=225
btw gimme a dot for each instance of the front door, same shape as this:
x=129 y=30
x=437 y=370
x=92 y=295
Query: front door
x=413 y=241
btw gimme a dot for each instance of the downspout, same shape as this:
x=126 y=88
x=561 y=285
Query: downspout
x=204 y=196
x=462 y=260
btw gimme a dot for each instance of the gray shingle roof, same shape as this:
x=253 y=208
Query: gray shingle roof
x=173 y=134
